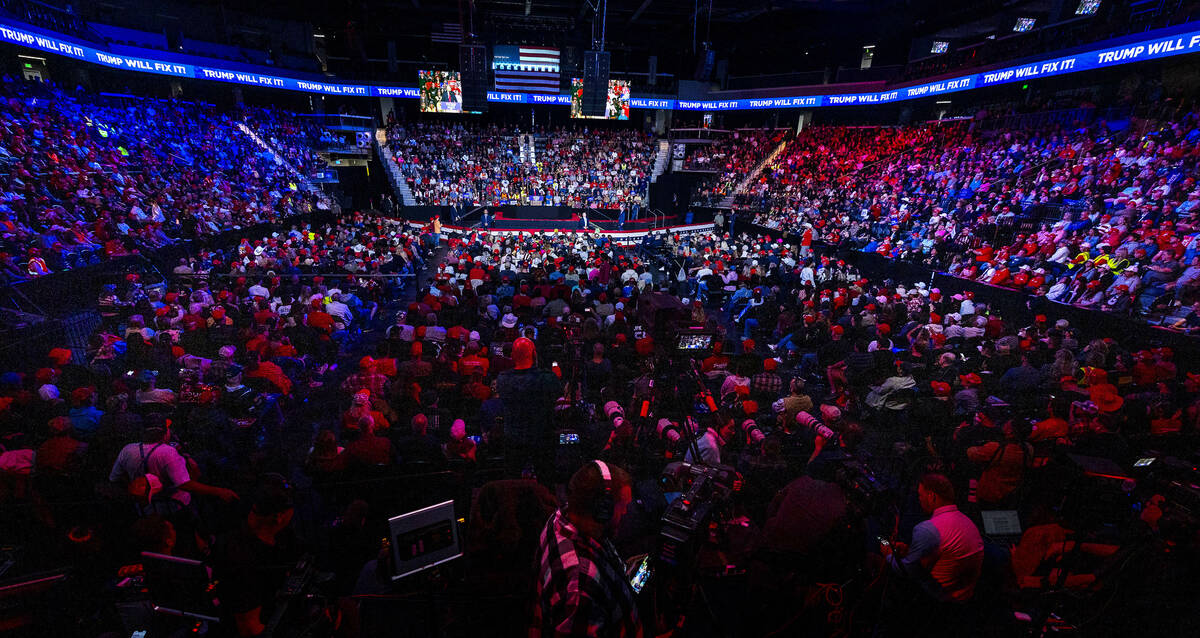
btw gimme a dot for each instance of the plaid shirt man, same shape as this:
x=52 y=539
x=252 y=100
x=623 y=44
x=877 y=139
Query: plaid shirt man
x=766 y=384
x=581 y=589
x=372 y=381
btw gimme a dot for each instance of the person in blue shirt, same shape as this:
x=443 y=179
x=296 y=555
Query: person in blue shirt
x=742 y=294
x=85 y=416
x=505 y=290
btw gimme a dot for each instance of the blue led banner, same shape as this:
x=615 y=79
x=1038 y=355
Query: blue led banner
x=1178 y=40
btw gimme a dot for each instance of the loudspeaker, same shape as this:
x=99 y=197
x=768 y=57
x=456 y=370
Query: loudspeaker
x=473 y=64
x=595 y=82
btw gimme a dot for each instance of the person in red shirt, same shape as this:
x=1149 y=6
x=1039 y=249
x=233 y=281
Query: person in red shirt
x=273 y=373
x=283 y=348
x=364 y=406
x=1053 y=427
x=716 y=361
x=193 y=320
x=473 y=362
x=366 y=448
x=264 y=314
x=806 y=243
x=1000 y=276
x=320 y=320
x=61 y=453
x=366 y=378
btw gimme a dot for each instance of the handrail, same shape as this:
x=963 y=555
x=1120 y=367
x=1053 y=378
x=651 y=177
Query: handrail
x=344 y=275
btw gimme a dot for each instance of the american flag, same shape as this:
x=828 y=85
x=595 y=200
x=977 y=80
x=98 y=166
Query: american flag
x=447 y=32
x=520 y=69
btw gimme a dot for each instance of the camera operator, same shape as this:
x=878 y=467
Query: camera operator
x=251 y=563
x=582 y=588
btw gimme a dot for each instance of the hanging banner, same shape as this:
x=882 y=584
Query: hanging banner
x=1179 y=40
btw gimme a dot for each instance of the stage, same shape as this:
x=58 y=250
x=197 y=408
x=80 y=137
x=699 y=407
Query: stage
x=627 y=236
x=548 y=213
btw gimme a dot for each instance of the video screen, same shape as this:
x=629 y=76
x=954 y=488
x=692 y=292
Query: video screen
x=424 y=538
x=694 y=343
x=577 y=100
x=431 y=538
x=940 y=47
x=1087 y=8
x=441 y=91
x=1024 y=24
x=616 y=107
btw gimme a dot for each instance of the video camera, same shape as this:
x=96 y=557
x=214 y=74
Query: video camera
x=704 y=494
x=862 y=488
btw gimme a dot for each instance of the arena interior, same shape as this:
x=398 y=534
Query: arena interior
x=720 y=318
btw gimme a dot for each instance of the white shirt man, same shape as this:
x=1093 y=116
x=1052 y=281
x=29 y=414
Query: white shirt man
x=339 y=310
x=160 y=459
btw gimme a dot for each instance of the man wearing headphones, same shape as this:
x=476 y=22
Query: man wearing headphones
x=582 y=589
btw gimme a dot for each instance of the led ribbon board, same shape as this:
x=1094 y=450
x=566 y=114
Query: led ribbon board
x=1172 y=41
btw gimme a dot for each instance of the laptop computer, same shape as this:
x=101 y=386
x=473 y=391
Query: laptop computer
x=1002 y=526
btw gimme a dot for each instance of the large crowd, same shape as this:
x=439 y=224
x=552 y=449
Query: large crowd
x=290 y=393
x=296 y=138
x=486 y=165
x=731 y=158
x=86 y=178
x=878 y=457
x=1101 y=215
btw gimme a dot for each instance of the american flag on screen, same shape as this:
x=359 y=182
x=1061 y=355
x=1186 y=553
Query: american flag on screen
x=447 y=33
x=524 y=69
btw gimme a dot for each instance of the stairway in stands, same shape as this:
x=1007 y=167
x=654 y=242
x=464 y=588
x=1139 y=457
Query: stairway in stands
x=302 y=180
x=751 y=176
x=529 y=147
x=395 y=176
x=660 y=159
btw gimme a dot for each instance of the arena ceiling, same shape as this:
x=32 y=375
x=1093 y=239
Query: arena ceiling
x=755 y=36
x=749 y=37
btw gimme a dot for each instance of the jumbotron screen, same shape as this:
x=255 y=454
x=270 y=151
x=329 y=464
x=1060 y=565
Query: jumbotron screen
x=616 y=106
x=441 y=91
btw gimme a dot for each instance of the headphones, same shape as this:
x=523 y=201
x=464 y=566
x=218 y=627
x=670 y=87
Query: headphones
x=602 y=505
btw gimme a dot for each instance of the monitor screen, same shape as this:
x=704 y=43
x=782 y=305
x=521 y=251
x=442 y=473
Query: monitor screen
x=179 y=586
x=1024 y=24
x=1001 y=522
x=424 y=538
x=616 y=105
x=694 y=342
x=939 y=47
x=441 y=91
x=1087 y=8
